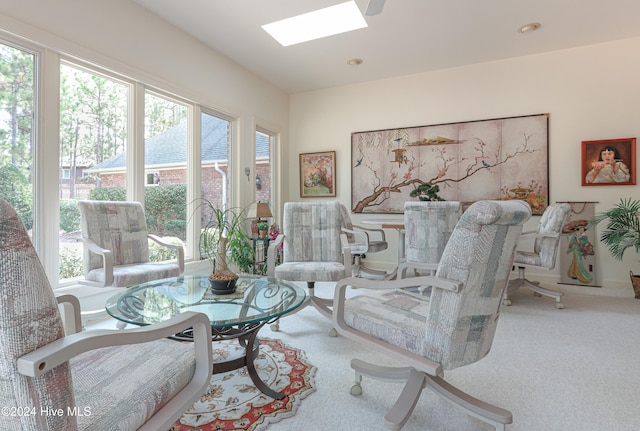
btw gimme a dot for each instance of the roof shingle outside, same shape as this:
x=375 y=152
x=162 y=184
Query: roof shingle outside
x=162 y=149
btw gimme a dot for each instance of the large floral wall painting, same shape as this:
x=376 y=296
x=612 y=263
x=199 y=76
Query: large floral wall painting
x=505 y=158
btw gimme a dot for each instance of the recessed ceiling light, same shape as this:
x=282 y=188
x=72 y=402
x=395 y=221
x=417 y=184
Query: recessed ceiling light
x=317 y=24
x=529 y=27
x=355 y=62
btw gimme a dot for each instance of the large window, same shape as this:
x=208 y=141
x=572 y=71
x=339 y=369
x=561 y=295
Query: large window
x=93 y=140
x=113 y=138
x=165 y=164
x=17 y=112
x=216 y=139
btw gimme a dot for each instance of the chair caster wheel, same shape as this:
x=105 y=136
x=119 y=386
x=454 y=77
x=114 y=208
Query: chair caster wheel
x=356 y=389
x=333 y=332
x=559 y=305
x=537 y=294
x=275 y=327
x=506 y=302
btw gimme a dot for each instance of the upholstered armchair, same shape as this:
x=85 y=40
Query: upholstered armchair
x=427 y=226
x=545 y=251
x=315 y=249
x=116 y=246
x=451 y=328
x=361 y=243
x=99 y=379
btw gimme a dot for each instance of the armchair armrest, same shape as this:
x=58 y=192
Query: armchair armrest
x=271 y=254
x=107 y=259
x=175 y=247
x=363 y=232
x=534 y=234
x=357 y=234
x=371 y=229
x=346 y=254
x=49 y=356
x=424 y=266
x=424 y=280
x=72 y=320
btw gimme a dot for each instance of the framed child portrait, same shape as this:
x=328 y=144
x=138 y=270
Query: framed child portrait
x=318 y=174
x=609 y=162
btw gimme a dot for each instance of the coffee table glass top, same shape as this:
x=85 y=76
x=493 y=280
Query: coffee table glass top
x=256 y=299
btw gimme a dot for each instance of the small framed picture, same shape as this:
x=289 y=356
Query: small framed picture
x=318 y=174
x=610 y=162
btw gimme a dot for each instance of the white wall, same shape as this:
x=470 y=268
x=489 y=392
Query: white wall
x=590 y=93
x=120 y=35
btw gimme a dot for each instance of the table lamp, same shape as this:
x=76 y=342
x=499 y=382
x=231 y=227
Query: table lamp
x=258 y=211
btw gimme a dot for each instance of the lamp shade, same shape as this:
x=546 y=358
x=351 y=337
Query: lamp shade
x=259 y=210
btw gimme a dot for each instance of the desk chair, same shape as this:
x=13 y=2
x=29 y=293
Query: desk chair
x=315 y=249
x=544 y=254
x=102 y=379
x=360 y=244
x=452 y=327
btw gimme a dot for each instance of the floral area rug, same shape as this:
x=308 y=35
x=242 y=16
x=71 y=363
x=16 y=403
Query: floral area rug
x=232 y=402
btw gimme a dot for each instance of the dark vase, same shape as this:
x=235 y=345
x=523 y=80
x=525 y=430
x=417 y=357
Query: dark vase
x=223 y=287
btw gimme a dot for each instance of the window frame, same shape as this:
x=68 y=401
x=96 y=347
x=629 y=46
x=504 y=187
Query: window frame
x=45 y=142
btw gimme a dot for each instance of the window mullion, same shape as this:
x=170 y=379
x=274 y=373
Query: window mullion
x=135 y=145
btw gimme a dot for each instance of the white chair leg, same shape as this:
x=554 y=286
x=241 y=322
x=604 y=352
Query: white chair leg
x=406 y=402
x=416 y=381
x=541 y=291
x=479 y=409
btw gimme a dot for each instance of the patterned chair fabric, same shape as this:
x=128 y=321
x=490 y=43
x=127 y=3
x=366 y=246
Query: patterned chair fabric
x=29 y=319
x=544 y=254
x=428 y=226
x=90 y=389
x=121 y=228
x=547 y=238
x=312 y=244
x=452 y=327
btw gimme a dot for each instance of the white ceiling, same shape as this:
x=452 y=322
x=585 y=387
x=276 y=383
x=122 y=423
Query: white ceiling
x=409 y=36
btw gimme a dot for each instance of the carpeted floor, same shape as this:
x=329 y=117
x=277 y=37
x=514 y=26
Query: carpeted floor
x=572 y=370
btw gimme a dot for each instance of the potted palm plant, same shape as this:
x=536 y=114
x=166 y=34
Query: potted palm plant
x=224 y=240
x=622 y=231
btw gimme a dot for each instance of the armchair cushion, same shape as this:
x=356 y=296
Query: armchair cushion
x=310 y=271
x=165 y=367
x=130 y=275
x=397 y=317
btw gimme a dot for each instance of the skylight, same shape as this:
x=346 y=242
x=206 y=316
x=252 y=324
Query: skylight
x=325 y=22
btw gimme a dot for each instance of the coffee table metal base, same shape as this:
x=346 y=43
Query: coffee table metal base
x=247 y=337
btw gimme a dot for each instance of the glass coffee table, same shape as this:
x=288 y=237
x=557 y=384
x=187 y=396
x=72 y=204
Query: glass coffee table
x=240 y=315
